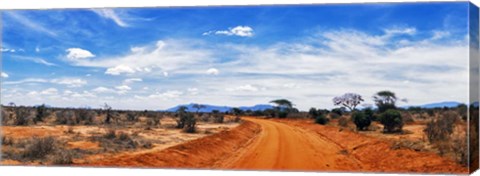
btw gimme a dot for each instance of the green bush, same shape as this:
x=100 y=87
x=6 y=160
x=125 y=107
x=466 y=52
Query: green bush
x=321 y=119
x=392 y=121
x=282 y=114
x=361 y=120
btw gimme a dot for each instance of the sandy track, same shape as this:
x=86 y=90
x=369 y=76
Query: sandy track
x=283 y=147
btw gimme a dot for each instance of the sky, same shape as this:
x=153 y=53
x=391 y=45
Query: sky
x=157 y=58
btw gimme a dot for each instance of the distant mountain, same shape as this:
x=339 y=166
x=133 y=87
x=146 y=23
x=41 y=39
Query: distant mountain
x=449 y=104
x=210 y=108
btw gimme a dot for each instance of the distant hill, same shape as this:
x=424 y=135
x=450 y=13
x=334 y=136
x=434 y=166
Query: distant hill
x=210 y=108
x=449 y=104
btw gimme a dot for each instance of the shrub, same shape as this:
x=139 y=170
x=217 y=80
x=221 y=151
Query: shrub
x=39 y=148
x=41 y=113
x=343 y=122
x=22 y=116
x=132 y=116
x=361 y=120
x=85 y=115
x=66 y=117
x=321 y=119
x=460 y=149
x=111 y=134
x=63 y=157
x=441 y=128
x=391 y=120
x=7 y=140
x=123 y=136
x=282 y=113
x=338 y=111
x=190 y=123
x=218 y=117
x=334 y=115
x=312 y=113
x=5 y=114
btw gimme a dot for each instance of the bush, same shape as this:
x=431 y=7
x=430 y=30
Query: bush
x=391 y=120
x=22 y=116
x=334 y=115
x=7 y=140
x=123 y=136
x=321 y=119
x=282 y=113
x=39 y=148
x=66 y=117
x=190 y=123
x=361 y=120
x=41 y=114
x=63 y=157
x=441 y=128
x=85 y=115
x=111 y=134
x=343 y=122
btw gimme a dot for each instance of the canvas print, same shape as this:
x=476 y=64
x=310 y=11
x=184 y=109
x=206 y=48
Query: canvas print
x=366 y=87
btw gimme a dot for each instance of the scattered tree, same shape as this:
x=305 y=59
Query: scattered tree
x=348 y=100
x=385 y=100
x=198 y=107
x=41 y=113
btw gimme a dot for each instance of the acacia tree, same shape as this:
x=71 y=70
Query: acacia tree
x=385 y=100
x=198 y=107
x=348 y=100
x=283 y=103
x=284 y=106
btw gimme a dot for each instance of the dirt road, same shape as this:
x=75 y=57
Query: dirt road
x=287 y=145
x=283 y=147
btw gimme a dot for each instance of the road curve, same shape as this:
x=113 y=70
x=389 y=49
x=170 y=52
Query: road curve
x=283 y=147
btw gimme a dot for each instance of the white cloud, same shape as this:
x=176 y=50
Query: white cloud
x=165 y=74
x=103 y=90
x=49 y=91
x=396 y=31
x=131 y=80
x=78 y=53
x=35 y=59
x=440 y=34
x=192 y=91
x=123 y=88
x=212 y=71
x=247 y=87
x=4 y=75
x=167 y=95
x=162 y=58
x=112 y=15
x=7 y=50
x=119 y=69
x=242 y=31
x=70 y=82
x=34 y=25
x=28 y=80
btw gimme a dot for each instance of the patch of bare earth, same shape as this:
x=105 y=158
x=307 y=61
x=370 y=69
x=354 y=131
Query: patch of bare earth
x=376 y=153
x=198 y=153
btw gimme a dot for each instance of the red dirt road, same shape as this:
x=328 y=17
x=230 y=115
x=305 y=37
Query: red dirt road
x=283 y=147
x=288 y=145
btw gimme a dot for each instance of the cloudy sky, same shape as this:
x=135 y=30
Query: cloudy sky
x=156 y=58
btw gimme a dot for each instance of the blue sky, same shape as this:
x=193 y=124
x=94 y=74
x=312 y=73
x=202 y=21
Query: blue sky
x=156 y=58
